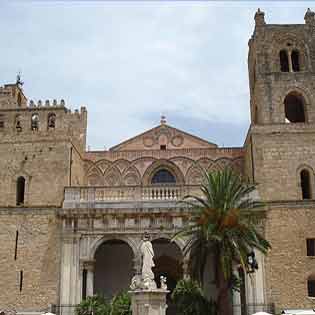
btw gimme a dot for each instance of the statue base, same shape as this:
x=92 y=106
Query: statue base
x=148 y=302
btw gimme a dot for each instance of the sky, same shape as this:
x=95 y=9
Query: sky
x=130 y=62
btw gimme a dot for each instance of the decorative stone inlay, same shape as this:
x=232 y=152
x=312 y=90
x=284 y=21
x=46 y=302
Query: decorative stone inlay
x=177 y=141
x=148 y=142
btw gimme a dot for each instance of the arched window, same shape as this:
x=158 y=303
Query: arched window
x=311 y=286
x=20 y=190
x=51 y=123
x=35 y=122
x=294 y=108
x=295 y=59
x=305 y=184
x=284 y=61
x=163 y=176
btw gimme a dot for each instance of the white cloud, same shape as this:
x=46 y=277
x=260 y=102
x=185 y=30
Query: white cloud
x=127 y=60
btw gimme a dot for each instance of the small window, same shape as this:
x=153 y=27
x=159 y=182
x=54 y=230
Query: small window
x=163 y=176
x=284 y=61
x=51 y=121
x=21 y=280
x=310 y=247
x=294 y=108
x=1 y=121
x=305 y=184
x=18 y=124
x=20 y=191
x=163 y=147
x=35 y=122
x=295 y=59
x=311 y=287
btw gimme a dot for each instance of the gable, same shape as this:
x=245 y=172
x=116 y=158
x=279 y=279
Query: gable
x=163 y=135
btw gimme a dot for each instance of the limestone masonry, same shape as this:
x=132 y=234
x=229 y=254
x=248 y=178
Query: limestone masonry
x=71 y=220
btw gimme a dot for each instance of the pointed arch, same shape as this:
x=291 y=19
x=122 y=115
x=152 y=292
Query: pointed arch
x=103 y=165
x=195 y=175
x=131 y=176
x=95 y=177
x=112 y=177
x=121 y=164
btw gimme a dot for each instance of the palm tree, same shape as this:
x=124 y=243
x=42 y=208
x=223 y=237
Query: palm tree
x=223 y=222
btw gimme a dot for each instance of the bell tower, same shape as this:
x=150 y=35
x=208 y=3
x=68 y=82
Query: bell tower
x=280 y=152
x=281 y=64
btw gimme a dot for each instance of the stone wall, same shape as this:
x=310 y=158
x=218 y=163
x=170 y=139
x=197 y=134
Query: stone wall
x=279 y=156
x=37 y=255
x=287 y=265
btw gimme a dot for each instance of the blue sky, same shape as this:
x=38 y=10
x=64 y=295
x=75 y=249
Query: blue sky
x=130 y=62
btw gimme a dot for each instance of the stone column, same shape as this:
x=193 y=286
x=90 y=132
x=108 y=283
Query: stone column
x=290 y=61
x=89 y=266
x=148 y=302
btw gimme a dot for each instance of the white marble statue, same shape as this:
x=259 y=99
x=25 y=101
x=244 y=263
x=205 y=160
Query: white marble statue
x=147 y=255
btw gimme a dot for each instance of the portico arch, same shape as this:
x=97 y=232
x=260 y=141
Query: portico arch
x=113 y=267
x=95 y=245
x=168 y=260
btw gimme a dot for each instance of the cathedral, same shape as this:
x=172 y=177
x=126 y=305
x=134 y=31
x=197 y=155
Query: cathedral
x=72 y=220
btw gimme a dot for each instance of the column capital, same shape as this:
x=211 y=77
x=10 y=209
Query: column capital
x=87 y=264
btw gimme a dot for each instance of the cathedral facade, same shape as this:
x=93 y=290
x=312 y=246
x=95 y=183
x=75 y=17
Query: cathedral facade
x=72 y=221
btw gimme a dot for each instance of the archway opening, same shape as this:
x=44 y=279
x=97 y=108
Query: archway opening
x=113 y=268
x=168 y=260
x=311 y=286
x=305 y=184
x=295 y=59
x=284 y=61
x=294 y=108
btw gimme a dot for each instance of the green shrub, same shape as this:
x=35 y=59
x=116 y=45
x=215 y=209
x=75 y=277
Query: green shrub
x=96 y=304
x=189 y=299
x=121 y=304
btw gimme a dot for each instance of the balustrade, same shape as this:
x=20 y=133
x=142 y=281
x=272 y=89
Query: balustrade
x=128 y=193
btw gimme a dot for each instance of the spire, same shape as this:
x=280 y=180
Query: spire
x=19 y=82
x=260 y=18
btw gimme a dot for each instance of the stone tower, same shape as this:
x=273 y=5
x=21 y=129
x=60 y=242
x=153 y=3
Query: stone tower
x=40 y=147
x=38 y=141
x=280 y=150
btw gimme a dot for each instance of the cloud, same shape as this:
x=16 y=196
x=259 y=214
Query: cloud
x=128 y=62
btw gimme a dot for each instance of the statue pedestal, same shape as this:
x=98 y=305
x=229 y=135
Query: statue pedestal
x=148 y=302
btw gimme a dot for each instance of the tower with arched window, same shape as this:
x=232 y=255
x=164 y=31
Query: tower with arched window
x=280 y=150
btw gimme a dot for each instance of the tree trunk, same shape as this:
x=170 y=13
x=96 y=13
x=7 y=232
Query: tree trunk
x=224 y=300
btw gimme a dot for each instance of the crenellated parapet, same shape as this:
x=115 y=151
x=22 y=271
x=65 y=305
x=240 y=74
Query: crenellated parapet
x=34 y=121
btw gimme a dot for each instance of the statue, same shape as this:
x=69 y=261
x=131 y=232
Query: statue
x=163 y=283
x=147 y=255
x=145 y=281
